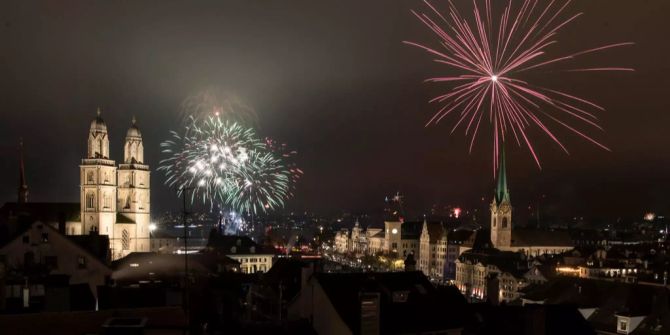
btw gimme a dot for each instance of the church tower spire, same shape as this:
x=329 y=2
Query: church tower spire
x=133 y=150
x=23 y=186
x=502 y=192
x=501 y=209
x=98 y=140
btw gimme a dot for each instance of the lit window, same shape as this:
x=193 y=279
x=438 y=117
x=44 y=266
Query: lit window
x=90 y=201
x=134 y=265
x=623 y=326
x=125 y=240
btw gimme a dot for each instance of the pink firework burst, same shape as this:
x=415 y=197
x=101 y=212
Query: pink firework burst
x=489 y=53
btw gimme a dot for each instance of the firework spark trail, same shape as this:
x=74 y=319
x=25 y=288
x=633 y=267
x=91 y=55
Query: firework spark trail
x=206 y=155
x=288 y=157
x=490 y=52
x=227 y=165
x=261 y=185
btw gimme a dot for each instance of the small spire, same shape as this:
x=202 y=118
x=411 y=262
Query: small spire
x=134 y=120
x=23 y=187
x=502 y=192
x=99 y=111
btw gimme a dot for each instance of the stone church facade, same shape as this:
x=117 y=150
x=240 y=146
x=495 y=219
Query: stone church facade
x=115 y=199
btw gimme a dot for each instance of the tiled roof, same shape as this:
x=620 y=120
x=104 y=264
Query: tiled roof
x=426 y=308
x=610 y=299
x=47 y=212
x=538 y=238
x=506 y=261
x=96 y=245
x=235 y=244
x=120 y=218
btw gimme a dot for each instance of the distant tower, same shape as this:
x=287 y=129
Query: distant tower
x=98 y=184
x=23 y=187
x=133 y=196
x=501 y=210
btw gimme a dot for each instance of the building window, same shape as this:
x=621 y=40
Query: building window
x=125 y=240
x=81 y=262
x=90 y=201
x=623 y=326
x=89 y=177
x=107 y=201
x=45 y=237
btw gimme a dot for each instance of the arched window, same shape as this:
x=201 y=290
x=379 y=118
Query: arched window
x=504 y=223
x=90 y=200
x=494 y=222
x=99 y=154
x=133 y=153
x=107 y=201
x=125 y=240
x=89 y=177
x=143 y=199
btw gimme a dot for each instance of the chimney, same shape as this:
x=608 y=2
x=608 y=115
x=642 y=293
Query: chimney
x=493 y=290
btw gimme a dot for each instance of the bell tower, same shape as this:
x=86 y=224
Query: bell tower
x=98 y=184
x=501 y=210
x=133 y=202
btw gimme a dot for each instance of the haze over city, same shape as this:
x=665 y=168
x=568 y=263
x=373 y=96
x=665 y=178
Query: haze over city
x=335 y=82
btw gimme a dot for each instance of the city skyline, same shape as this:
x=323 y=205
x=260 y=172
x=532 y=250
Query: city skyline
x=354 y=118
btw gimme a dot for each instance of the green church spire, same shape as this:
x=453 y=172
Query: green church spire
x=502 y=192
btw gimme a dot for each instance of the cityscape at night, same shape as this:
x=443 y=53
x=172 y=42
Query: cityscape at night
x=334 y=167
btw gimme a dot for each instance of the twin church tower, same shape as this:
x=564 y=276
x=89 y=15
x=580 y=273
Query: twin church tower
x=115 y=200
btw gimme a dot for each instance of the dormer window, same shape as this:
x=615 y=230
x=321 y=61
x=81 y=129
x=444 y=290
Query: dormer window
x=622 y=325
x=626 y=324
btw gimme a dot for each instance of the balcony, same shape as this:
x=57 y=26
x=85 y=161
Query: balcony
x=97 y=161
x=134 y=167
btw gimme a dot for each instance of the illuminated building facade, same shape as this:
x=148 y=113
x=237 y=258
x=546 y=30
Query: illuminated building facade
x=114 y=201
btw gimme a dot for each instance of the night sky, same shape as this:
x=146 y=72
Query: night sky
x=332 y=79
